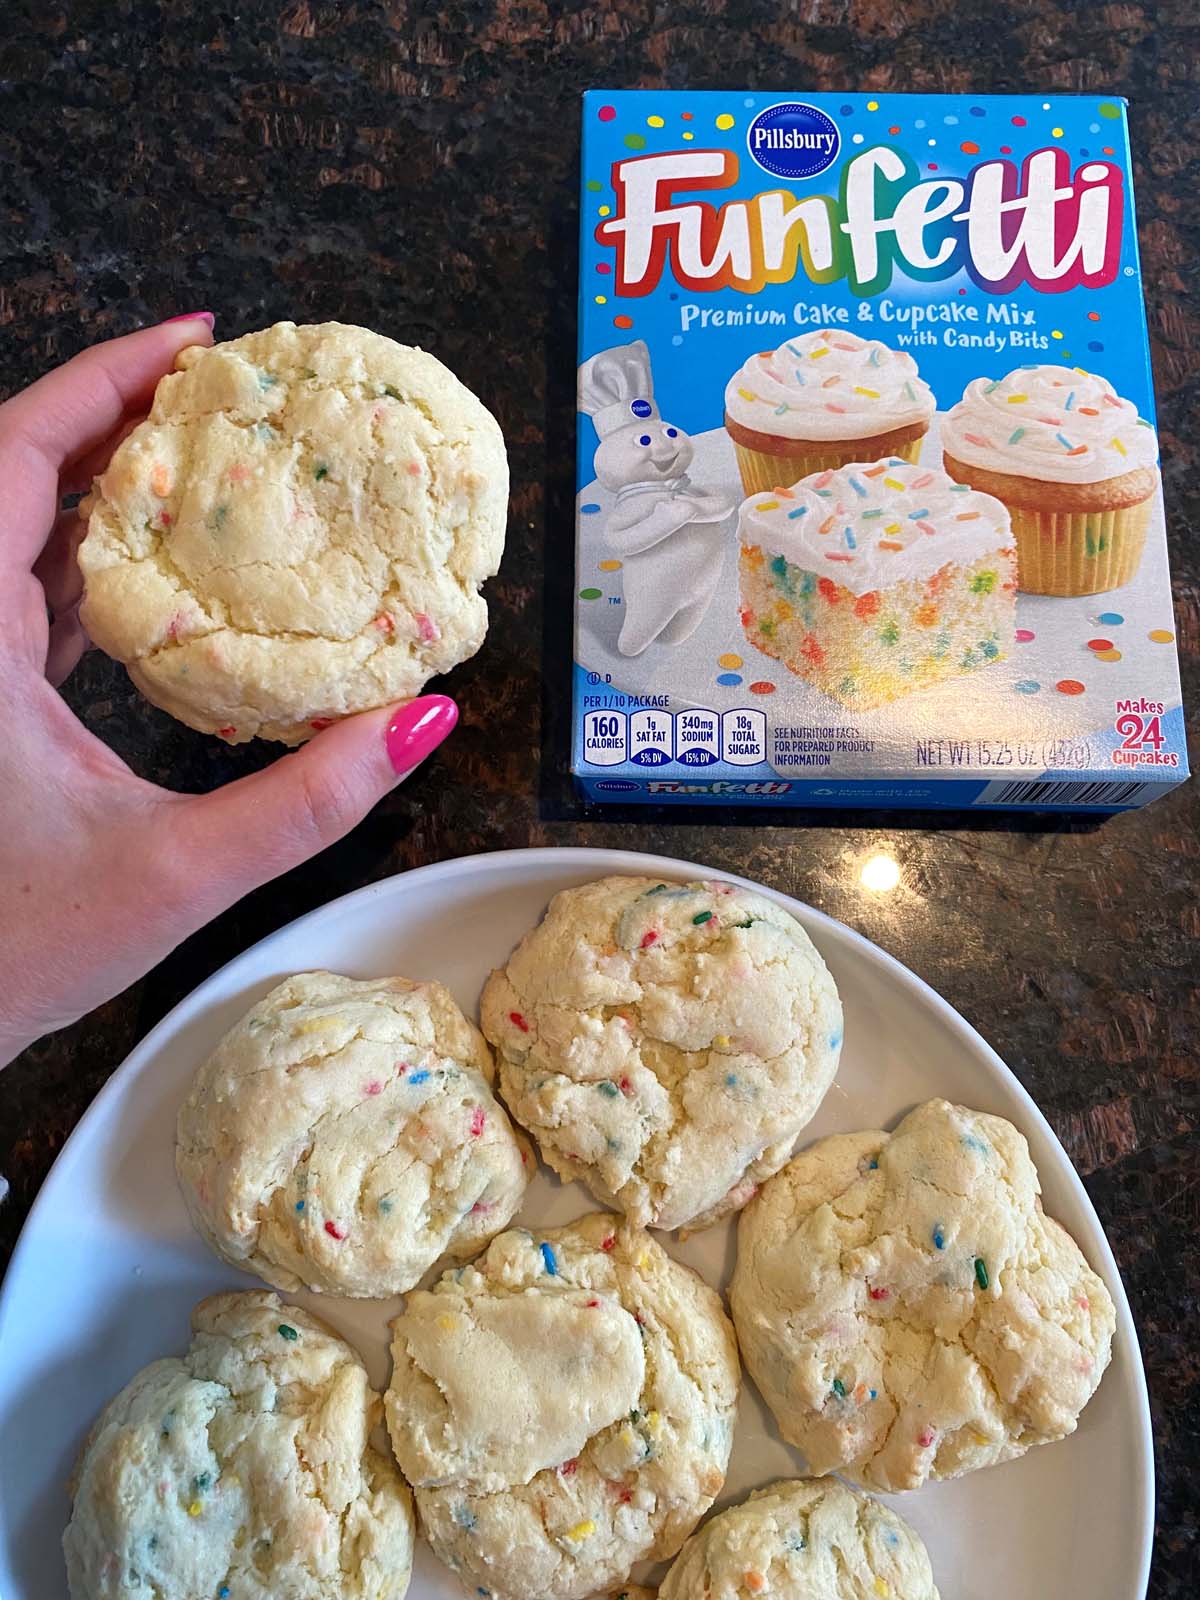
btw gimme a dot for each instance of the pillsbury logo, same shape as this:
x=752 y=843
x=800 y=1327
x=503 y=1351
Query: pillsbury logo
x=793 y=140
x=641 y=408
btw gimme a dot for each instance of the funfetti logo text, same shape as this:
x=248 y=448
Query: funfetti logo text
x=793 y=140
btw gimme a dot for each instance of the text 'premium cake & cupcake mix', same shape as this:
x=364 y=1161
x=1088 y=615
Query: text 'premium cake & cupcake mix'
x=869 y=505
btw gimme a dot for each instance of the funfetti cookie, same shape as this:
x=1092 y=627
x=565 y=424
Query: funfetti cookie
x=563 y=1409
x=664 y=1042
x=803 y=1539
x=299 y=530
x=343 y=1135
x=243 y=1468
x=908 y=1310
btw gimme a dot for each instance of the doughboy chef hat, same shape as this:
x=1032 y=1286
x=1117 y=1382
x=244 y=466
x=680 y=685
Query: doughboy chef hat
x=616 y=388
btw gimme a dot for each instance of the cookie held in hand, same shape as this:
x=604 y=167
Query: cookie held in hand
x=298 y=531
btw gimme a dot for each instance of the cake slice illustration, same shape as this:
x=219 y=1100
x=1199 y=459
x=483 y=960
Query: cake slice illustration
x=874 y=580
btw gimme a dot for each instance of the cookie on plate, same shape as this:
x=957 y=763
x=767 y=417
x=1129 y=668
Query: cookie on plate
x=664 y=1042
x=343 y=1135
x=808 y=1539
x=908 y=1310
x=299 y=530
x=563 y=1408
x=244 y=1468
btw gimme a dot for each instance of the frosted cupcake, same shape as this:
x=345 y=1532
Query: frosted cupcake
x=874 y=580
x=821 y=401
x=1073 y=462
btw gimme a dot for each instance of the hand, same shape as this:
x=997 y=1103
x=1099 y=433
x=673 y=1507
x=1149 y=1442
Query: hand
x=101 y=874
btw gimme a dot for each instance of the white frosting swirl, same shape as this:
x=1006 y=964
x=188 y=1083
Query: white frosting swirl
x=1055 y=424
x=828 y=385
x=871 y=525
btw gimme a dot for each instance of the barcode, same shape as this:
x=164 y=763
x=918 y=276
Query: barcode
x=1051 y=792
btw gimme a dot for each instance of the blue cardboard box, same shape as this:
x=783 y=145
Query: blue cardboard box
x=869 y=509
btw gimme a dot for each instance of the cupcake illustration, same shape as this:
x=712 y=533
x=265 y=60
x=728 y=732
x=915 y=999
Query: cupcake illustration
x=877 y=579
x=821 y=401
x=1073 y=462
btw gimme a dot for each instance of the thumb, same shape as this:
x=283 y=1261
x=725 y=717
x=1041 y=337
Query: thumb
x=238 y=837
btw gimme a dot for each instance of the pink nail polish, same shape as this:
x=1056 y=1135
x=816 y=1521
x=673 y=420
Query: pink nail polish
x=191 y=316
x=417 y=729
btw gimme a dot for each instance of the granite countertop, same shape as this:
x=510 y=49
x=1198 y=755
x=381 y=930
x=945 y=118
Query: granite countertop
x=414 y=169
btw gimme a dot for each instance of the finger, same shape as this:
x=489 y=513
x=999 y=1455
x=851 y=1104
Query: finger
x=72 y=410
x=77 y=476
x=230 y=841
x=67 y=643
x=57 y=568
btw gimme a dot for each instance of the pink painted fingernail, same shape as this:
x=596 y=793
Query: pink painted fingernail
x=417 y=729
x=192 y=316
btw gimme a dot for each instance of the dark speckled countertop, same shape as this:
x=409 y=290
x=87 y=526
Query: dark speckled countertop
x=413 y=168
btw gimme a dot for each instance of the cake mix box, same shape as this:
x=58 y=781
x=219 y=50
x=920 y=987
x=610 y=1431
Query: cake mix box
x=869 y=507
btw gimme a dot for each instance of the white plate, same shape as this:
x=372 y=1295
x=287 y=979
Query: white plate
x=107 y=1268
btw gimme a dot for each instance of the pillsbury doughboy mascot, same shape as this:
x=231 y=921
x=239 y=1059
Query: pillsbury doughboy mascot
x=669 y=533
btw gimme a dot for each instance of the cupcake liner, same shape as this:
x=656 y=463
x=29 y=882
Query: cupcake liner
x=762 y=472
x=1081 y=552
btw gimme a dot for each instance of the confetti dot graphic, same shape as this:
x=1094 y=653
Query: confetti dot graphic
x=857 y=139
x=1027 y=686
x=969 y=147
x=685 y=116
x=1069 y=686
x=1024 y=635
x=601 y=299
x=872 y=105
x=729 y=680
x=762 y=687
x=932 y=165
x=978 y=111
x=725 y=121
x=1045 y=105
x=605 y=211
x=1093 y=316
x=676 y=338
x=1006 y=149
x=893 y=130
x=590 y=509
x=1108 y=655
x=610 y=566
x=847 y=111
x=655 y=122
x=603 y=266
x=688 y=135
x=1095 y=346
x=635 y=141
x=590 y=594
x=622 y=322
x=1056 y=333
x=607 y=113
x=1018 y=122
x=919 y=123
x=729 y=659
x=594 y=185
x=1110 y=619
x=1107 y=109
x=1056 y=133
x=951 y=122
x=1158 y=635
x=1099 y=644
x=1093 y=127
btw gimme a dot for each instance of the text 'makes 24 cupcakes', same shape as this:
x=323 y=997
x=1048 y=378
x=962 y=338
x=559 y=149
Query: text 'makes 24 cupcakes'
x=821 y=401
x=1073 y=462
x=877 y=579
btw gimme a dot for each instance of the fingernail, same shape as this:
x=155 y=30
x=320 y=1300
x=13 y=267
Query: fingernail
x=191 y=316
x=417 y=729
